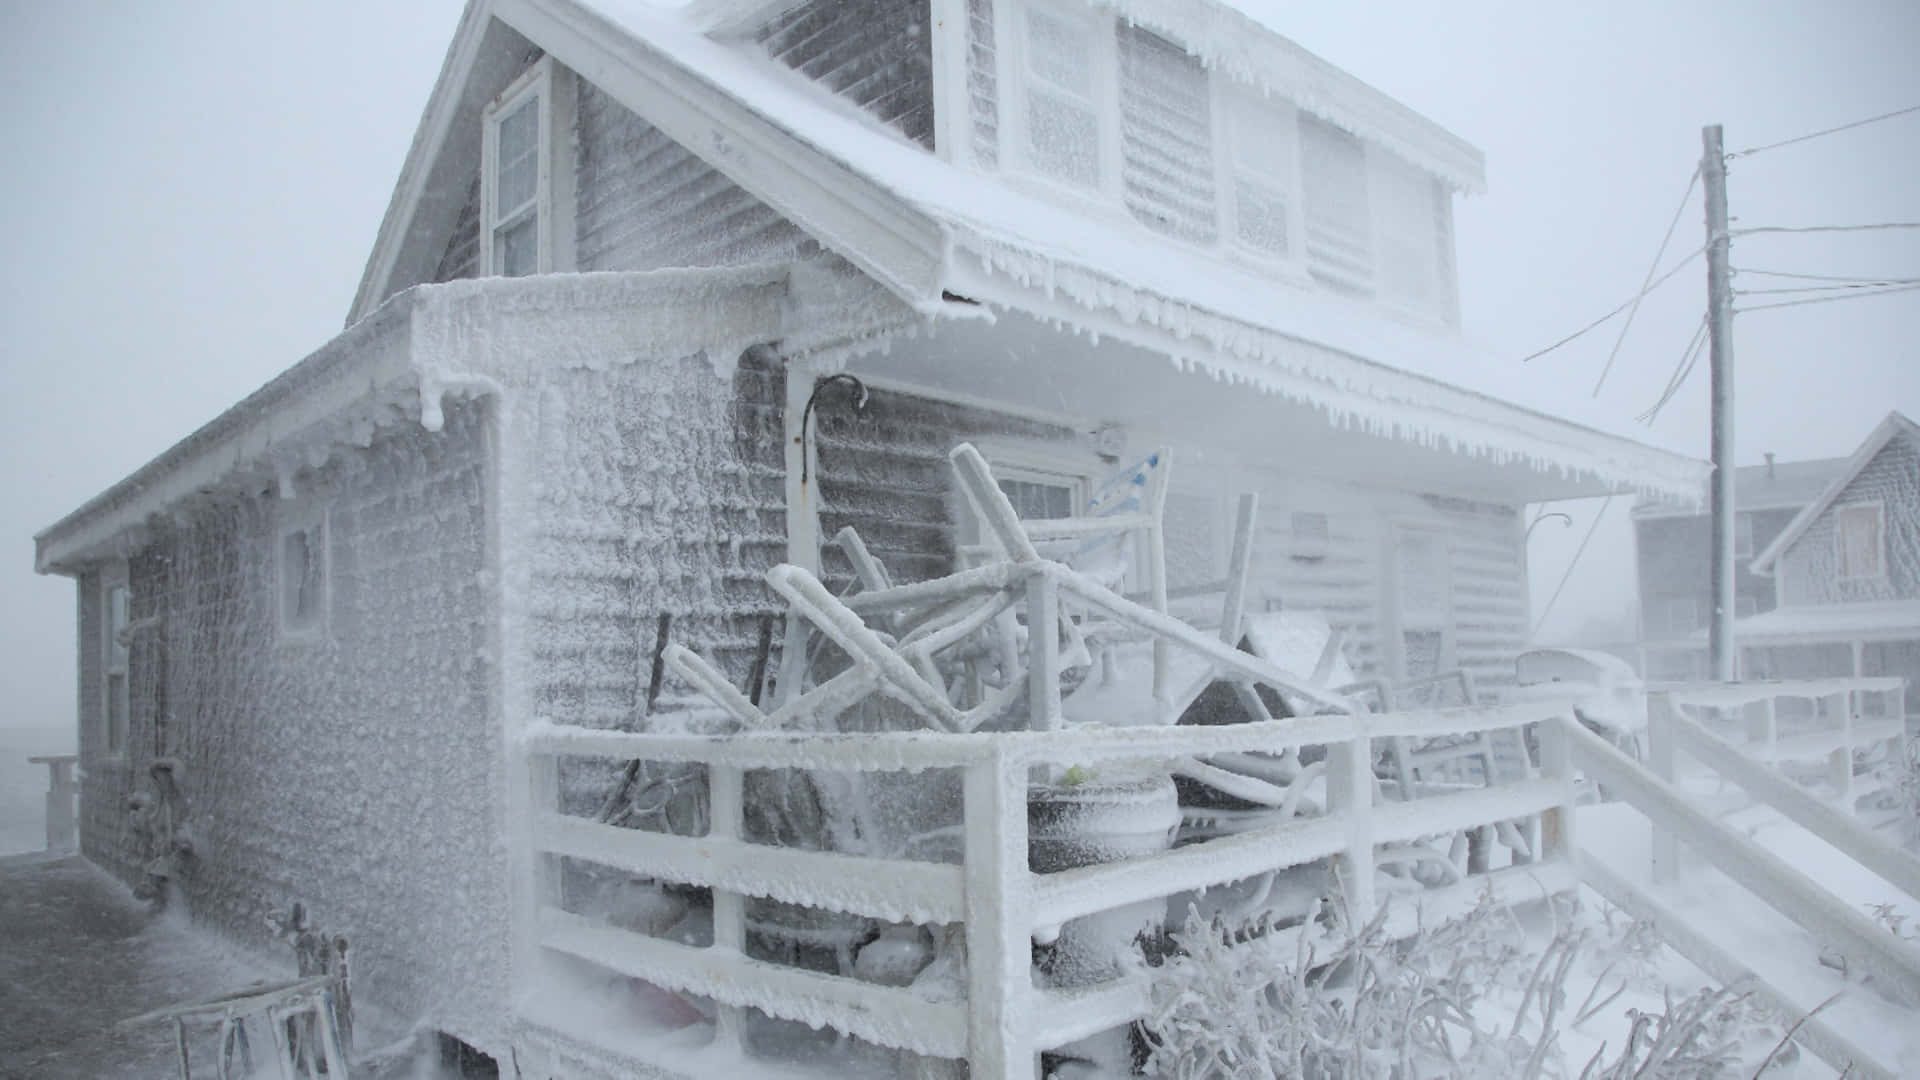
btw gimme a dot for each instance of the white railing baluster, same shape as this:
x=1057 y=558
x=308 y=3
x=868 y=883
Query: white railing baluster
x=1556 y=763
x=1661 y=708
x=999 y=922
x=1350 y=795
x=726 y=815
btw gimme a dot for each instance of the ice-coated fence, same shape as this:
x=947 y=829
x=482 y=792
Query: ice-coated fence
x=1002 y=1021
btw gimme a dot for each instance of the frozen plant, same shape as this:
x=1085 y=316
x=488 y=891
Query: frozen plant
x=1242 y=1001
x=1696 y=1038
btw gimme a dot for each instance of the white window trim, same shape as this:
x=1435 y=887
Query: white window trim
x=1103 y=57
x=1880 y=541
x=553 y=207
x=114 y=576
x=314 y=520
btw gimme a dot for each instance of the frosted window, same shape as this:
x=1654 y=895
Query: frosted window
x=1260 y=136
x=1424 y=650
x=1423 y=577
x=1039 y=501
x=1310 y=534
x=1858 y=535
x=1333 y=178
x=519 y=161
x=302 y=579
x=1063 y=120
x=1409 y=231
x=516 y=250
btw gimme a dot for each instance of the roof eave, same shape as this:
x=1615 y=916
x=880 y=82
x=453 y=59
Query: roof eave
x=1894 y=425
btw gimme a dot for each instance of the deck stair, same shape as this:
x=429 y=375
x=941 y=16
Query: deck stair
x=1749 y=916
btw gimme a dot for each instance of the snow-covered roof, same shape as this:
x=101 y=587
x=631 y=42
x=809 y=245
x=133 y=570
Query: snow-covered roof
x=931 y=232
x=1830 y=622
x=1783 y=485
x=1894 y=426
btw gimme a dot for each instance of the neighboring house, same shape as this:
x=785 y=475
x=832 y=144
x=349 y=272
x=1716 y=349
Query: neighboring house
x=1673 y=542
x=1847 y=569
x=626 y=247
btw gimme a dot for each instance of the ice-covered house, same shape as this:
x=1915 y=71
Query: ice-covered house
x=586 y=383
x=1847 y=568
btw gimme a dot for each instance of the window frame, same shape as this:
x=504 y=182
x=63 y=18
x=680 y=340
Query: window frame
x=115 y=660
x=545 y=83
x=314 y=521
x=1013 y=25
x=1840 y=514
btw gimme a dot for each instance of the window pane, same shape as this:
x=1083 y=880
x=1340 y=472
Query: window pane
x=1064 y=139
x=1260 y=216
x=1036 y=501
x=116 y=712
x=516 y=248
x=116 y=622
x=296 y=572
x=519 y=165
x=1058 y=53
x=1858 y=529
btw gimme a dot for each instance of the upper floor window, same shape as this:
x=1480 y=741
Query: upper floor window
x=525 y=200
x=1068 y=57
x=1261 y=171
x=1859 y=538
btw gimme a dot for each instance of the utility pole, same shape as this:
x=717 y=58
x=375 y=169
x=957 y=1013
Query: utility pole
x=1713 y=173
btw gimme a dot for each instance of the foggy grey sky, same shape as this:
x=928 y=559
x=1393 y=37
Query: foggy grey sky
x=193 y=188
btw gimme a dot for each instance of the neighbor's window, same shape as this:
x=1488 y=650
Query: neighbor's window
x=1064 y=54
x=303 y=577
x=115 y=654
x=1310 y=535
x=1743 y=536
x=516 y=178
x=1859 y=536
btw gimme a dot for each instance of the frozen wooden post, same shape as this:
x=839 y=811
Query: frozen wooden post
x=1840 y=761
x=1043 y=645
x=1660 y=759
x=726 y=803
x=1556 y=762
x=1350 y=796
x=62 y=835
x=1233 y=610
x=999 y=922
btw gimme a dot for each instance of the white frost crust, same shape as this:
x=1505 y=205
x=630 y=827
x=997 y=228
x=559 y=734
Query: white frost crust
x=1246 y=50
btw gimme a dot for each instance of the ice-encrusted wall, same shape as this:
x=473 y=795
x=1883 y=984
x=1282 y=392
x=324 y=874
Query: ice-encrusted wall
x=1166 y=137
x=357 y=767
x=885 y=472
x=1345 y=575
x=877 y=54
x=1809 y=570
x=661 y=492
x=644 y=201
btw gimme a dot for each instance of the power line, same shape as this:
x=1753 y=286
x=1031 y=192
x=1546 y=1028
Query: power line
x=1825 y=131
x=1629 y=302
x=1579 y=551
x=1646 y=284
x=1826 y=228
x=1829 y=299
x=1820 y=277
x=1829 y=288
x=1688 y=359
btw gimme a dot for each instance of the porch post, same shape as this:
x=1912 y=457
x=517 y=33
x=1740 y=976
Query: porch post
x=999 y=922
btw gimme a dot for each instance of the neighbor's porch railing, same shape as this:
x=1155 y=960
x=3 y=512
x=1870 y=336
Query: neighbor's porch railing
x=1004 y=1020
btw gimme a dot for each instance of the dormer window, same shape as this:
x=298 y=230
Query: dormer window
x=1262 y=173
x=525 y=200
x=1067 y=57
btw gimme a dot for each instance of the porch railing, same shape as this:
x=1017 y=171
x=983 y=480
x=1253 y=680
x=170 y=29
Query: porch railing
x=1004 y=1019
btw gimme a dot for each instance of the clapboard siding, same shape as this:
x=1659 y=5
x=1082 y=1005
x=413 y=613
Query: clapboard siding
x=641 y=517
x=877 y=54
x=1809 y=570
x=885 y=473
x=645 y=202
x=1166 y=137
